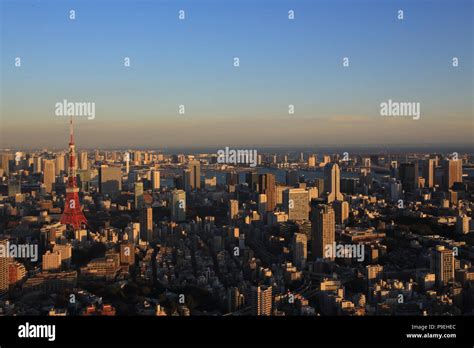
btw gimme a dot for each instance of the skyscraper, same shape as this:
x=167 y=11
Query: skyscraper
x=341 y=211
x=60 y=161
x=138 y=195
x=452 y=172
x=442 y=265
x=146 y=224
x=300 y=246
x=49 y=175
x=252 y=181
x=267 y=186
x=319 y=183
x=37 y=161
x=5 y=162
x=261 y=300
x=195 y=175
x=178 y=205
x=296 y=204
x=83 y=161
x=332 y=182
x=428 y=172
x=187 y=180
x=155 y=180
x=323 y=229
x=408 y=173
x=110 y=180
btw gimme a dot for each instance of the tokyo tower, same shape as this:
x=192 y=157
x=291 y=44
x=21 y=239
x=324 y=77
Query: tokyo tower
x=72 y=214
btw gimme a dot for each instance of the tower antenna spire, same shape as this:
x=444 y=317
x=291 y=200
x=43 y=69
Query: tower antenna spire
x=72 y=214
x=71 y=131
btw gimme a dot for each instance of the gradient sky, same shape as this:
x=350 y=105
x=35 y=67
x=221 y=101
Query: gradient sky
x=191 y=62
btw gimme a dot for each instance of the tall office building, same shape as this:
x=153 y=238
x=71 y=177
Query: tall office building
x=341 y=211
x=319 y=183
x=133 y=232
x=300 y=247
x=267 y=186
x=395 y=190
x=429 y=172
x=408 y=173
x=110 y=180
x=138 y=195
x=37 y=167
x=126 y=159
x=146 y=224
x=233 y=209
x=195 y=174
x=83 y=160
x=261 y=300
x=452 y=172
x=49 y=175
x=59 y=164
x=178 y=205
x=442 y=265
x=187 y=180
x=252 y=181
x=332 y=182
x=4 y=260
x=5 y=162
x=323 y=229
x=155 y=180
x=296 y=204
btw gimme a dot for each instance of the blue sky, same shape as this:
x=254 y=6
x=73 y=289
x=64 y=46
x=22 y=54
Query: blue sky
x=283 y=62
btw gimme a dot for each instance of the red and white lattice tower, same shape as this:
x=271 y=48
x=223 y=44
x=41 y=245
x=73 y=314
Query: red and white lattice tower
x=72 y=214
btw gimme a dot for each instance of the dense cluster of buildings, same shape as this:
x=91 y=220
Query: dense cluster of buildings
x=184 y=234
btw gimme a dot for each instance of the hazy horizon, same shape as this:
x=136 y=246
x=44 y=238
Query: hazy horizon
x=282 y=62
